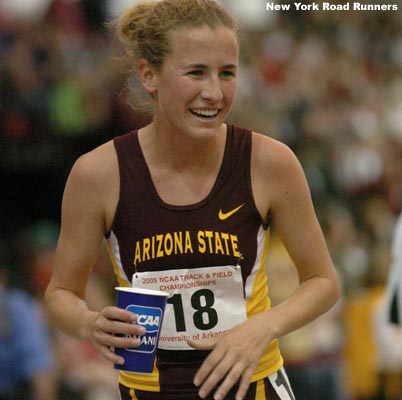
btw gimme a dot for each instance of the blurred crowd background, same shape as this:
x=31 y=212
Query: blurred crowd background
x=327 y=83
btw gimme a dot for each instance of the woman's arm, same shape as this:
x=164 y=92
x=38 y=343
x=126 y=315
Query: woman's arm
x=89 y=201
x=295 y=222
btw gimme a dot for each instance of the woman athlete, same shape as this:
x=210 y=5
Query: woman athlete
x=186 y=203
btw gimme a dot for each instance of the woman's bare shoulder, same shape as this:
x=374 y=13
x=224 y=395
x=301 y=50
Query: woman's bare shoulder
x=97 y=166
x=272 y=156
x=276 y=173
x=92 y=188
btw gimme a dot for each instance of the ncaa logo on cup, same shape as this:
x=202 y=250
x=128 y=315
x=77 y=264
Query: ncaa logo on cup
x=150 y=318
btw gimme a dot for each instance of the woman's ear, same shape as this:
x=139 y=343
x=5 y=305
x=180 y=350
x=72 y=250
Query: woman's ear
x=147 y=76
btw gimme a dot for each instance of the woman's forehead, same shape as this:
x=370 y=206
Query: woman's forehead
x=188 y=42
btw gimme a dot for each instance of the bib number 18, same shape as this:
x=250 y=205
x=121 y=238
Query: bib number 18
x=204 y=302
x=205 y=317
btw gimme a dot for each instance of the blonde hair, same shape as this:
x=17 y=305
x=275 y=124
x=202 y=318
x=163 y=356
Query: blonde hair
x=144 y=28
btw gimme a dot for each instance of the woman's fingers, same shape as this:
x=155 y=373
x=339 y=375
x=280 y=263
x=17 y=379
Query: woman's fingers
x=232 y=361
x=109 y=354
x=115 y=328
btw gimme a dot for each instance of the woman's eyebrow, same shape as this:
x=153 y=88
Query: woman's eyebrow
x=228 y=66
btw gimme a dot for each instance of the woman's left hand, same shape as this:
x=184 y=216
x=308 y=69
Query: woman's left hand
x=233 y=358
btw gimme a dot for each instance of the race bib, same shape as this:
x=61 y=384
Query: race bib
x=203 y=302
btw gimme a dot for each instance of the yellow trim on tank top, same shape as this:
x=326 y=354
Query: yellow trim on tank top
x=271 y=361
x=120 y=279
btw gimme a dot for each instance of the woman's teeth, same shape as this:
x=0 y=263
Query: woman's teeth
x=205 y=113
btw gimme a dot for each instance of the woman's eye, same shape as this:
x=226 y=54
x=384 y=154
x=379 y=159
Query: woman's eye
x=228 y=74
x=196 y=72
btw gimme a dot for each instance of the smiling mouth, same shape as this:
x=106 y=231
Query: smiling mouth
x=208 y=114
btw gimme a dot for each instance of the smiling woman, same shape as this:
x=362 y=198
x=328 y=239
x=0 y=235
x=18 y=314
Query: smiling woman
x=147 y=33
x=191 y=198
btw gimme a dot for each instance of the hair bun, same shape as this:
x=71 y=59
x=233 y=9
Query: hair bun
x=133 y=20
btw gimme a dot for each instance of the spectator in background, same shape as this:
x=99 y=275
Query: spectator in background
x=26 y=359
x=394 y=286
x=373 y=346
x=387 y=324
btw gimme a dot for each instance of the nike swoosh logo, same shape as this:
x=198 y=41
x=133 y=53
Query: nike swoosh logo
x=222 y=216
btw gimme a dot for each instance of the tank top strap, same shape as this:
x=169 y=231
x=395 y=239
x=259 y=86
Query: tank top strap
x=236 y=159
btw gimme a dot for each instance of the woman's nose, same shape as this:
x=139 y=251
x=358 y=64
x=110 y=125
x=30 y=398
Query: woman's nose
x=212 y=89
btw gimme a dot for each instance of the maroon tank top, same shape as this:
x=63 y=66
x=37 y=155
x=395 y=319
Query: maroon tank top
x=225 y=228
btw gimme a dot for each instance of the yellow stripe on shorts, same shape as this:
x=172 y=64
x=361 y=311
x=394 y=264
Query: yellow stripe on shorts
x=132 y=394
x=260 y=391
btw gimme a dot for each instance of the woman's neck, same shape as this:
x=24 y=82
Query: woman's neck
x=178 y=151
